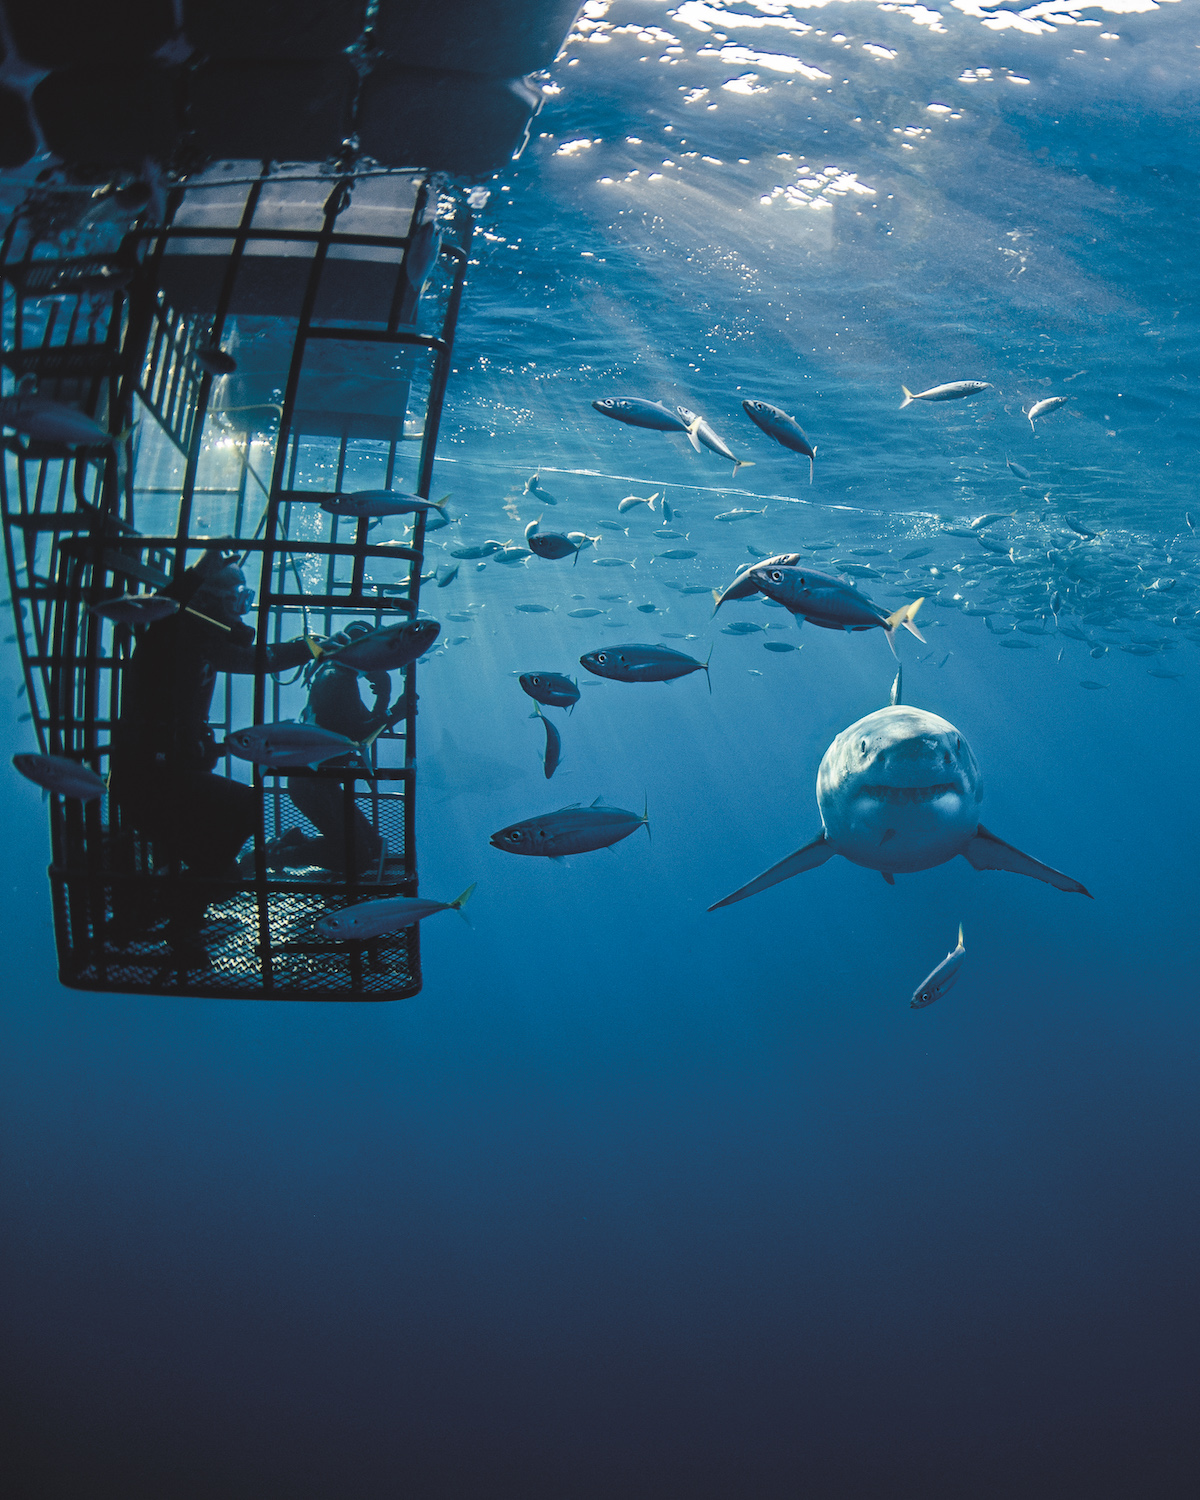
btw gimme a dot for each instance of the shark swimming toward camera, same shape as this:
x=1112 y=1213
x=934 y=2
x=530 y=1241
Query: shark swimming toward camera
x=899 y=791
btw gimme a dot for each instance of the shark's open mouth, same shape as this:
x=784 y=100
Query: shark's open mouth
x=903 y=795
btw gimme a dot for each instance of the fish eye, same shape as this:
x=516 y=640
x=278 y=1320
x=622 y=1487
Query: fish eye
x=776 y=575
x=515 y=836
x=537 y=681
x=601 y=656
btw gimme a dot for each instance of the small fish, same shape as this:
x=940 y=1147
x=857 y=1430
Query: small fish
x=58 y=774
x=1079 y=528
x=510 y=555
x=533 y=486
x=584 y=614
x=756 y=551
x=1097 y=652
x=1019 y=470
x=1165 y=673
x=1093 y=687
x=534 y=609
x=1003 y=549
x=954 y=391
x=553 y=545
x=611 y=562
x=374 y=919
x=135 y=609
x=641 y=663
x=212 y=357
x=678 y=554
x=287 y=744
x=779 y=646
x=664 y=533
x=743 y=627
x=638 y=412
x=1055 y=603
x=980 y=522
x=1187 y=516
x=784 y=429
x=632 y=501
x=1043 y=408
x=570 y=830
x=614 y=526
x=381 y=503
x=739 y=514
x=943 y=978
x=1161 y=585
x=828 y=601
x=387 y=649
x=945 y=658
x=422 y=255
x=472 y=554
x=647 y=609
x=551 y=688
x=667 y=513
x=553 y=745
x=916 y=552
x=446 y=576
x=711 y=441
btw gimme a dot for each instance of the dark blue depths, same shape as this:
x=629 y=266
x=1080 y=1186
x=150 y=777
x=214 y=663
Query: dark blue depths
x=635 y=1199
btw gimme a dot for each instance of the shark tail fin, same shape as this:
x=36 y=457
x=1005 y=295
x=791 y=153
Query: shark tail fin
x=908 y=396
x=693 y=428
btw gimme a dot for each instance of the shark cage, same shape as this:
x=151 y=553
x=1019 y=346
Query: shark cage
x=274 y=346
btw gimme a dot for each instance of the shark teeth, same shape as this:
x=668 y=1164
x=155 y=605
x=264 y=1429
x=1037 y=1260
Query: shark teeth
x=905 y=795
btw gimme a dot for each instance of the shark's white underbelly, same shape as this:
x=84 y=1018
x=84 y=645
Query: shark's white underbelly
x=901 y=829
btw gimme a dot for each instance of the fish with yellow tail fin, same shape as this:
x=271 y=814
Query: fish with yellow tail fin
x=827 y=600
x=712 y=441
x=943 y=978
x=374 y=919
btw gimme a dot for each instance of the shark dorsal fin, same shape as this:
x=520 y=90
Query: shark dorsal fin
x=597 y=802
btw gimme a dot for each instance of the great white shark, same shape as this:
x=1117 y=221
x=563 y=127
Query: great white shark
x=899 y=791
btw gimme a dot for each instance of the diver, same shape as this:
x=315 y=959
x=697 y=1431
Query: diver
x=164 y=750
x=334 y=702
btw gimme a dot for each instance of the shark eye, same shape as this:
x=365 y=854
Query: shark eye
x=863 y=746
x=946 y=757
x=802 y=584
x=958 y=742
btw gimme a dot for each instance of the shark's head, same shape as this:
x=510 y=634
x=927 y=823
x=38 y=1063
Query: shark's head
x=899 y=790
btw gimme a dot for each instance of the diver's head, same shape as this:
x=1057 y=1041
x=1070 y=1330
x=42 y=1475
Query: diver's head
x=222 y=591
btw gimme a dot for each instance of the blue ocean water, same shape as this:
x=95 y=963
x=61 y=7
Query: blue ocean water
x=634 y=1198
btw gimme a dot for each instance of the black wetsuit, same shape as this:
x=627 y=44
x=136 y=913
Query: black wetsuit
x=164 y=750
x=334 y=703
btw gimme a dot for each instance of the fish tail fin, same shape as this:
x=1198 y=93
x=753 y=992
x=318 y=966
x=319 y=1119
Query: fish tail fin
x=716 y=593
x=908 y=396
x=707 y=673
x=811 y=460
x=905 y=617
x=653 y=498
x=460 y=901
x=742 y=463
x=898 y=687
x=442 y=502
x=692 y=429
x=646 y=815
x=960 y=938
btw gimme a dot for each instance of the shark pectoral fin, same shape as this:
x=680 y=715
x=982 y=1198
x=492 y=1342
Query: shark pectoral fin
x=888 y=876
x=813 y=854
x=987 y=852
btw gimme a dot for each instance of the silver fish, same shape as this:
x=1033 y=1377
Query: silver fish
x=711 y=441
x=784 y=429
x=1043 y=408
x=288 y=744
x=63 y=777
x=631 y=501
x=373 y=919
x=135 y=609
x=638 y=412
x=553 y=752
x=387 y=649
x=1018 y=469
x=641 y=663
x=739 y=514
x=49 y=421
x=570 y=830
x=533 y=486
x=381 y=503
x=472 y=554
x=551 y=688
x=954 y=391
x=943 y=978
x=830 y=602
